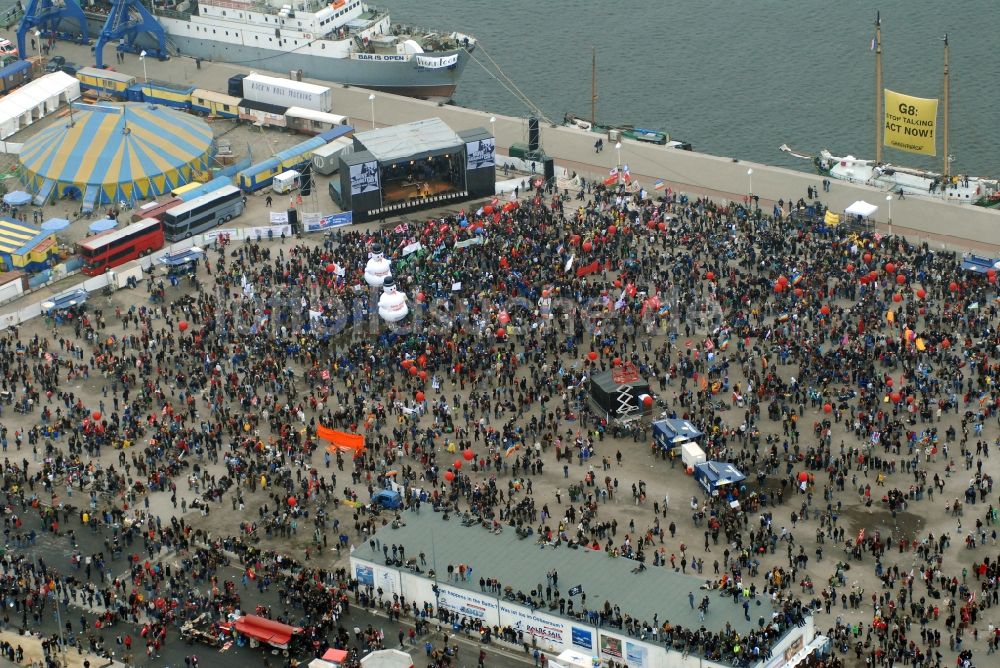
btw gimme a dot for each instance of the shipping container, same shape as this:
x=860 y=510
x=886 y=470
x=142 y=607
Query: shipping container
x=287 y=93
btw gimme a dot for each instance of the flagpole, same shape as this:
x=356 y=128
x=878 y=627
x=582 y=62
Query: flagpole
x=947 y=158
x=879 y=120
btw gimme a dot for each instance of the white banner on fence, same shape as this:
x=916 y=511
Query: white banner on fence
x=267 y=232
x=279 y=217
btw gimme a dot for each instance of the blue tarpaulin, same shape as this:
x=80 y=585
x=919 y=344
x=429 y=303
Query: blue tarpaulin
x=183 y=257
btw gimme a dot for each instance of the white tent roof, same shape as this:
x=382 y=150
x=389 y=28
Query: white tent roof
x=41 y=93
x=419 y=138
x=387 y=658
x=861 y=208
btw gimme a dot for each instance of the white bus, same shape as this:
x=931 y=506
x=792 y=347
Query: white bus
x=203 y=213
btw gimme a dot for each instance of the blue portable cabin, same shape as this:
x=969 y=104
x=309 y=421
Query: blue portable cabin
x=177 y=96
x=258 y=176
x=14 y=75
x=299 y=155
x=335 y=133
x=206 y=188
x=670 y=433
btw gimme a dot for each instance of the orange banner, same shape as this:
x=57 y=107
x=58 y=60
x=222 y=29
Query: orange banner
x=341 y=439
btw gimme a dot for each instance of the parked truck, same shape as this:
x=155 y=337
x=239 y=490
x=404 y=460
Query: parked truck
x=287 y=93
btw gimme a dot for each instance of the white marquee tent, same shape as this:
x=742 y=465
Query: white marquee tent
x=35 y=100
x=861 y=208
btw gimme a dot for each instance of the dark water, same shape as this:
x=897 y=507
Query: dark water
x=737 y=78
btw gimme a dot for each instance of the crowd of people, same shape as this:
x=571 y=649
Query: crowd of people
x=851 y=376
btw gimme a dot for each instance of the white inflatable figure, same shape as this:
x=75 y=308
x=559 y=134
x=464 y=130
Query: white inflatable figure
x=392 y=304
x=377 y=269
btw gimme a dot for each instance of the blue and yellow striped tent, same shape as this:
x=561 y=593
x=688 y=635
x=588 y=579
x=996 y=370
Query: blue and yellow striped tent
x=25 y=248
x=114 y=153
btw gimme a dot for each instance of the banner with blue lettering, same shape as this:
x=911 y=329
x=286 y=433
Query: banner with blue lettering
x=319 y=224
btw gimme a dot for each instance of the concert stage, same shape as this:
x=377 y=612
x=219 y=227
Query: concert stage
x=415 y=166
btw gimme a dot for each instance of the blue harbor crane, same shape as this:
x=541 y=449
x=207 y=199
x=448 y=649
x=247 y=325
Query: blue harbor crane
x=126 y=20
x=46 y=17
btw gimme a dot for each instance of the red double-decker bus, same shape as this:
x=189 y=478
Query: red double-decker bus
x=116 y=247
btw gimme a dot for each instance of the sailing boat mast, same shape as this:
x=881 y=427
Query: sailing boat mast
x=879 y=119
x=593 y=87
x=947 y=158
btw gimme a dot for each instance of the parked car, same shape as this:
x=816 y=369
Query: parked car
x=55 y=63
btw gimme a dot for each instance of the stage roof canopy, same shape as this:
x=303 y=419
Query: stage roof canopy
x=410 y=141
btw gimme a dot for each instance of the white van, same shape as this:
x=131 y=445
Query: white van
x=286 y=182
x=7 y=48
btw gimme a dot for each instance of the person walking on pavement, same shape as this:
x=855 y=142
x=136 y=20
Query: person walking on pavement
x=267 y=202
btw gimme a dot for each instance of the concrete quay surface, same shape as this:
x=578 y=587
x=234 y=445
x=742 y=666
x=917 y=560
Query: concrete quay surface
x=920 y=219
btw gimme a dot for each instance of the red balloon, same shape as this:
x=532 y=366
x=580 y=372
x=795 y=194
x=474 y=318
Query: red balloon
x=422 y=375
x=867 y=258
x=827 y=408
x=96 y=415
x=292 y=501
x=487 y=209
x=953 y=286
x=890 y=267
x=651 y=224
x=457 y=465
x=420 y=297
x=895 y=396
x=501 y=332
x=992 y=279
x=850 y=268
x=779 y=287
x=504 y=318
x=647 y=401
x=468 y=455
x=420 y=397
x=783 y=280
x=824 y=309
x=574 y=240
x=897 y=298
x=921 y=293
x=618 y=283
x=612 y=230
x=888 y=382
x=661 y=227
x=710 y=276
x=182 y=325
x=909 y=399
x=872 y=275
x=616 y=361
x=449 y=476
x=330 y=268
x=587 y=246
x=901 y=279
x=798 y=292
x=413 y=370
x=592 y=356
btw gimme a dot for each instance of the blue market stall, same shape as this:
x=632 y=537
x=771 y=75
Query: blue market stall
x=718 y=477
x=978 y=263
x=670 y=433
